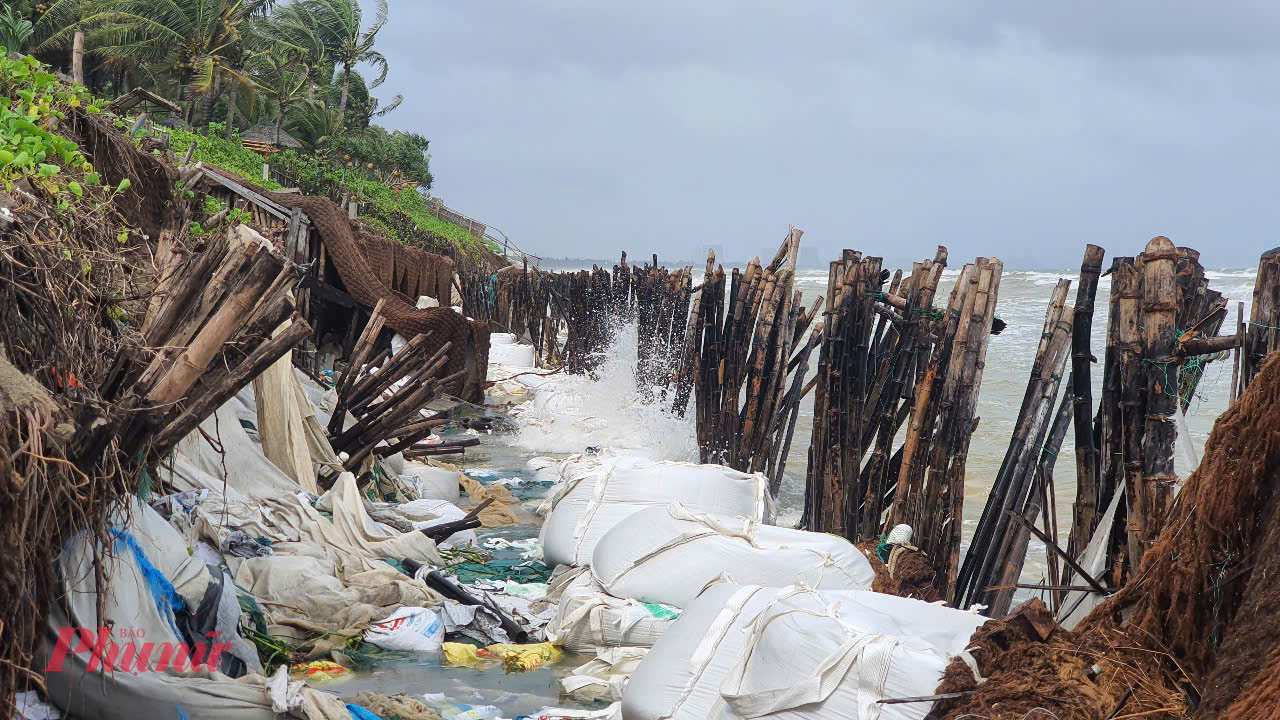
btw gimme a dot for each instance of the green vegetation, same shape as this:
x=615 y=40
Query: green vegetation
x=290 y=65
x=402 y=214
x=213 y=149
x=31 y=101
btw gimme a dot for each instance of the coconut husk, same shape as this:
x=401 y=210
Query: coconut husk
x=1194 y=633
x=912 y=576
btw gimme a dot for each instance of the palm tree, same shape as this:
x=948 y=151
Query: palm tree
x=340 y=25
x=314 y=123
x=297 y=28
x=280 y=74
x=15 y=29
x=199 y=40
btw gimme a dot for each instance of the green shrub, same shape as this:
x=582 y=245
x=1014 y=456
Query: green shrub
x=213 y=149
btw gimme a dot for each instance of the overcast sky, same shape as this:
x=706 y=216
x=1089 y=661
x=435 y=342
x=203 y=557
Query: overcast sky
x=1017 y=129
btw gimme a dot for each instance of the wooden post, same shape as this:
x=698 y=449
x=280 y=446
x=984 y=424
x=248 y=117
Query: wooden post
x=221 y=326
x=1087 y=466
x=77 y=57
x=1237 y=355
x=1126 y=286
x=223 y=384
x=1159 y=315
x=1264 y=316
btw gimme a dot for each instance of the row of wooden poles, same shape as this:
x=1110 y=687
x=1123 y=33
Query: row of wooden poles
x=738 y=350
x=888 y=359
x=1162 y=331
x=571 y=318
x=896 y=387
x=707 y=342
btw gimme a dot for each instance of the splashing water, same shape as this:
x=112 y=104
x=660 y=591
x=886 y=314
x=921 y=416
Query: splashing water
x=570 y=413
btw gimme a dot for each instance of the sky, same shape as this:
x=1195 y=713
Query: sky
x=581 y=128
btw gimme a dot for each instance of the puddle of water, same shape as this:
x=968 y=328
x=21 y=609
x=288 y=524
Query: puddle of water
x=513 y=693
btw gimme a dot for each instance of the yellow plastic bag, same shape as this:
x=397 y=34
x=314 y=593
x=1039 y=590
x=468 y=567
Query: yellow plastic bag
x=452 y=653
x=520 y=658
x=514 y=658
x=319 y=671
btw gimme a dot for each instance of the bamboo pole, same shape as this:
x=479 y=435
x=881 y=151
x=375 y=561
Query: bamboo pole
x=224 y=383
x=1264 y=316
x=1014 y=555
x=1086 y=507
x=357 y=356
x=1127 y=287
x=974 y=362
x=226 y=320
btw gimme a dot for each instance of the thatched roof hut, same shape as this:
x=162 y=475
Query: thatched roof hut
x=267 y=133
x=149 y=101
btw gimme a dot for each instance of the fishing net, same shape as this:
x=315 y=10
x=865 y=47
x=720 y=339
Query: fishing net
x=407 y=270
x=441 y=324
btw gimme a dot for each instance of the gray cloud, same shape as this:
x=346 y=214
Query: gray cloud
x=1004 y=128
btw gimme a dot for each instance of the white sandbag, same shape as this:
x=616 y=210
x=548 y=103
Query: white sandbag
x=666 y=554
x=588 y=618
x=544 y=468
x=496 y=339
x=512 y=355
x=432 y=482
x=796 y=654
x=596 y=494
x=409 y=629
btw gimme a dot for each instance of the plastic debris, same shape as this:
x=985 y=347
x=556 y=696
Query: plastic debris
x=320 y=671
x=514 y=658
x=409 y=629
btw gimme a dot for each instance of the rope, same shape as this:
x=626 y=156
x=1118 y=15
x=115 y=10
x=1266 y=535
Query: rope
x=1046 y=449
x=1189 y=374
x=882 y=549
x=1269 y=327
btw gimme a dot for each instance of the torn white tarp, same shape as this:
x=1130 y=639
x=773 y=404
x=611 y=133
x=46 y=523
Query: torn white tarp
x=1076 y=604
x=605 y=677
x=305 y=596
x=150 y=576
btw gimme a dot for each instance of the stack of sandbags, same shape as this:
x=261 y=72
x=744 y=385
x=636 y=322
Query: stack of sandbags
x=797 y=654
x=505 y=351
x=593 y=495
x=587 y=618
x=668 y=554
